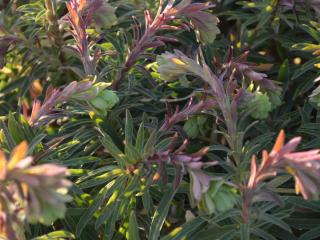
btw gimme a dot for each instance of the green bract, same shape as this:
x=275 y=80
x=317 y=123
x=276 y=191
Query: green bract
x=275 y=98
x=219 y=198
x=259 y=105
x=170 y=67
x=195 y=126
x=191 y=127
x=105 y=100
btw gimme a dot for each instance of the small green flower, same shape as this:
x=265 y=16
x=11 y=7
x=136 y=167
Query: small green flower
x=218 y=198
x=104 y=101
x=110 y=97
x=170 y=67
x=275 y=98
x=191 y=127
x=259 y=105
x=195 y=125
x=98 y=97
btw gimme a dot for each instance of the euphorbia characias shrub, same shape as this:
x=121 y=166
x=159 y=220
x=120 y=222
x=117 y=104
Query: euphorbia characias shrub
x=159 y=119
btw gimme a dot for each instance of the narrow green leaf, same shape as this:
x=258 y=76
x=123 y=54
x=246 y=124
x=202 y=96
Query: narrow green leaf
x=15 y=129
x=216 y=232
x=35 y=141
x=313 y=32
x=311 y=234
x=87 y=216
x=128 y=127
x=11 y=143
x=262 y=234
x=305 y=67
x=140 y=139
x=298 y=201
x=98 y=171
x=160 y=214
x=133 y=233
x=111 y=221
x=114 y=151
x=112 y=204
x=186 y=229
x=219 y=148
x=147 y=200
x=132 y=154
x=283 y=71
x=101 y=179
x=276 y=221
x=244 y=231
x=56 y=235
x=149 y=146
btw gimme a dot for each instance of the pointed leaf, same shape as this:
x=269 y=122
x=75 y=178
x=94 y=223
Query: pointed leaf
x=160 y=214
x=114 y=151
x=140 y=138
x=186 y=229
x=276 y=221
x=128 y=127
x=133 y=233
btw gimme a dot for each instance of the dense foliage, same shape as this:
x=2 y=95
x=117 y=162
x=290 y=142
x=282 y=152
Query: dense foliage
x=169 y=119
